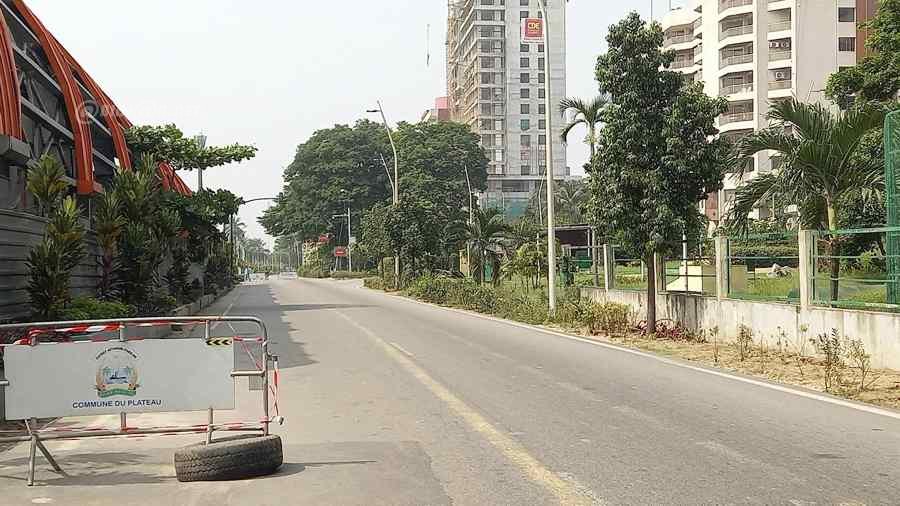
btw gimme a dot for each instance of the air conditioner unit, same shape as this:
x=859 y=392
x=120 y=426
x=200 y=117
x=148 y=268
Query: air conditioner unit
x=782 y=76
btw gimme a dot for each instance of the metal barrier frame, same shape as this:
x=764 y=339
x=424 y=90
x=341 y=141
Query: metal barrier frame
x=34 y=436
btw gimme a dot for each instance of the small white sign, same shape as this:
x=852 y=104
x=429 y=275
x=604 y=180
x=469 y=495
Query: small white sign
x=82 y=379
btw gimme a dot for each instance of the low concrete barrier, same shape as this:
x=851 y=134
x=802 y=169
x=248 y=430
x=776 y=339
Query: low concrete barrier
x=879 y=331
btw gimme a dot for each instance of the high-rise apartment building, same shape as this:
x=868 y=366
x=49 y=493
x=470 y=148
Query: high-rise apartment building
x=757 y=52
x=495 y=84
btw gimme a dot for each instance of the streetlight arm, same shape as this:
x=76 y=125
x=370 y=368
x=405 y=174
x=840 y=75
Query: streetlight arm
x=394 y=149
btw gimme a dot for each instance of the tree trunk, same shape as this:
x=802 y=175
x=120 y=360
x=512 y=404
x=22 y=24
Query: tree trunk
x=651 y=294
x=833 y=251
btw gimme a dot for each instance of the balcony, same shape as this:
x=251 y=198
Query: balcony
x=724 y=5
x=780 y=85
x=682 y=63
x=731 y=89
x=735 y=60
x=734 y=117
x=678 y=39
x=780 y=55
x=780 y=26
x=735 y=31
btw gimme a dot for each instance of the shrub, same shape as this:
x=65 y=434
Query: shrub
x=744 y=342
x=350 y=275
x=609 y=317
x=374 y=282
x=161 y=304
x=859 y=360
x=87 y=308
x=313 y=272
x=51 y=263
x=831 y=347
x=784 y=255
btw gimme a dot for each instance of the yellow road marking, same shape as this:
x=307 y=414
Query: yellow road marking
x=566 y=491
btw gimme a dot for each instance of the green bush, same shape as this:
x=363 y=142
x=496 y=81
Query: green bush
x=374 y=282
x=785 y=255
x=312 y=272
x=87 y=308
x=609 y=317
x=351 y=275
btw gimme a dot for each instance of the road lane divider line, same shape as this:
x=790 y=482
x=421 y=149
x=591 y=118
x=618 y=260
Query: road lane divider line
x=760 y=383
x=564 y=488
x=395 y=345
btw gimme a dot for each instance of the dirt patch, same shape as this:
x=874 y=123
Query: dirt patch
x=782 y=365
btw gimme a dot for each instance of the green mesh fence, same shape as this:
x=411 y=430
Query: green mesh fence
x=891 y=162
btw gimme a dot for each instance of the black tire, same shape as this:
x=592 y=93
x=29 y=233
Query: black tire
x=230 y=458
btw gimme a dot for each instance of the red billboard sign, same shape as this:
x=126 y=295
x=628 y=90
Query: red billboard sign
x=532 y=31
x=340 y=251
x=324 y=238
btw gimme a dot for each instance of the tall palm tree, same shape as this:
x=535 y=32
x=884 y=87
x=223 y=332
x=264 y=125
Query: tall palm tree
x=588 y=113
x=570 y=197
x=486 y=235
x=818 y=168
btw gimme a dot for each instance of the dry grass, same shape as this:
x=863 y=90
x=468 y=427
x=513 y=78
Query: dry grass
x=782 y=365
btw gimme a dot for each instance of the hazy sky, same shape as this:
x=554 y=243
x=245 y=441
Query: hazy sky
x=270 y=73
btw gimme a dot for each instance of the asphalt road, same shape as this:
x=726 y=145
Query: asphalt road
x=389 y=401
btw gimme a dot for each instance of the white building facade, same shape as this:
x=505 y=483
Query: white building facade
x=755 y=53
x=495 y=84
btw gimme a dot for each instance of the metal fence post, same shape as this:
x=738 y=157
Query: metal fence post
x=609 y=267
x=722 y=263
x=807 y=268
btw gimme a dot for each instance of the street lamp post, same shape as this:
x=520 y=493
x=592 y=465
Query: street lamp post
x=551 y=229
x=396 y=183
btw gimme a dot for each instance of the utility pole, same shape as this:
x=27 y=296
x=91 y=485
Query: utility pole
x=471 y=217
x=551 y=221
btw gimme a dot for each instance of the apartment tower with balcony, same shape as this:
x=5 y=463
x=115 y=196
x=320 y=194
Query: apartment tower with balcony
x=495 y=84
x=757 y=52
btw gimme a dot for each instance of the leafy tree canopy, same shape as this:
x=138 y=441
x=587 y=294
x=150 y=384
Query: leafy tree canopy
x=655 y=161
x=168 y=144
x=877 y=76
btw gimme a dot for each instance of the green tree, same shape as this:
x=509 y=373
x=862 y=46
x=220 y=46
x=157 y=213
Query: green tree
x=168 y=144
x=819 y=168
x=333 y=168
x=486 y=235
x=587 y=113
x=655 y=160
x=877 y=76
x=108 y=225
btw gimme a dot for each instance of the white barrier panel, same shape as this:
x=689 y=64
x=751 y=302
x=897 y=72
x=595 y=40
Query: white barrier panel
x=81 y=379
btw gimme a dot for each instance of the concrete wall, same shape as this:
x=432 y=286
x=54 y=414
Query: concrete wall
x=19 y=232
x=879 y=332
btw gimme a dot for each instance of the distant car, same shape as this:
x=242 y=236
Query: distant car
x=288 y=275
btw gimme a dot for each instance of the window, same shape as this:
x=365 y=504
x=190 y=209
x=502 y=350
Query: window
x=523 y=3
x=524 y=93
x=540 y=48
x=524 y=77
x=526 y=170
x=542 y=140
x=487 y=2
x=846 y=14
x=498 y=125
x=523 y=14
x=542 y=124
x=542 y=92
x=524 y=48
x=541 y=77
x=498 y=155
x=487 y=140
x=524 y=63
x=485 y=93
x=486 y=78
x=487 y=15
x=486 y=109
x=487 y=62
x=525 y=124
x=525 y=109
x=541 y=63
x=542 y=108
x=847 y=44
x=525 y=141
